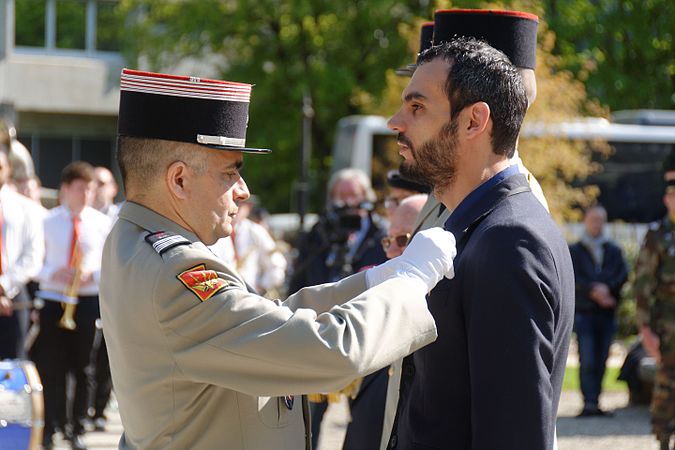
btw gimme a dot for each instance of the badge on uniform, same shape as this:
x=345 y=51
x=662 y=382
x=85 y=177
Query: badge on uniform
x=163 y=241
x=201 y=282
x=288 y=401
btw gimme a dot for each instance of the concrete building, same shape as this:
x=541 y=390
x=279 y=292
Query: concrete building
x=59 y=77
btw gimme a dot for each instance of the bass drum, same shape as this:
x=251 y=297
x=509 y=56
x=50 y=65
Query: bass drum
x=21 y=406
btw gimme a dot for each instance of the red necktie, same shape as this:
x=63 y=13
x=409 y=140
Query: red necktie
x=74 y=257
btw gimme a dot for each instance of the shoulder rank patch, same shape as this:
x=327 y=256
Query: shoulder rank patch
x=162 y=241
x=201 y=282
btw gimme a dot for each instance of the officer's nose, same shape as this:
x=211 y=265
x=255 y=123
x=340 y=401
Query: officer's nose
x=241 y=192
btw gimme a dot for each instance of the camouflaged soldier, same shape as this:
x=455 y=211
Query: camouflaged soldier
x=655 y=292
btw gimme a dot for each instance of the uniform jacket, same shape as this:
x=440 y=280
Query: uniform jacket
x=493 y=378
x=613 y=273
x=198 y=362
x=655 y=279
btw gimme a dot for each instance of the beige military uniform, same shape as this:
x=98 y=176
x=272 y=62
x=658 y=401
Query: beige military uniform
x=198 y=362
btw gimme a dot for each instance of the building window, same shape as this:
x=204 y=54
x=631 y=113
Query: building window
x=70 y=23
x=30 y=23
x=90 y=25
x=52 y=153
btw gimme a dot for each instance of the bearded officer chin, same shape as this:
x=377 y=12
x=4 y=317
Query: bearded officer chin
x=198 y=361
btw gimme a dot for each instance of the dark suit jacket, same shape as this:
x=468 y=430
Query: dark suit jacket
x=492 y=380
x=613 y=273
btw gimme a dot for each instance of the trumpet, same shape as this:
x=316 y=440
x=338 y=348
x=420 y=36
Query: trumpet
x=67 y=320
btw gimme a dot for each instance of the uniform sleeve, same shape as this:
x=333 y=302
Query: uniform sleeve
x=247 y=343
x=510 y=317
x=646 y=267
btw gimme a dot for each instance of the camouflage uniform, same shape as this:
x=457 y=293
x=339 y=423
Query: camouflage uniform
x=655 y=292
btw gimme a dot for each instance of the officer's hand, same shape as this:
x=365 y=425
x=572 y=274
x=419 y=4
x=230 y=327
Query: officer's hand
x=427 y=258
x=651 y=343
x=431 y=252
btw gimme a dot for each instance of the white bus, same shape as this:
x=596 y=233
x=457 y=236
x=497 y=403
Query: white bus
x=631 y=183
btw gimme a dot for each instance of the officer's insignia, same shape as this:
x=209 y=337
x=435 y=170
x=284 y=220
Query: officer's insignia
x=288 y=401
x=201 y=282
x=163 y=241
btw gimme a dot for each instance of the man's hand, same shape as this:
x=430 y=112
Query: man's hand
x=5 y=306
x=428 y=258
x=64 y=275
x=651 y=342
x=601 y=295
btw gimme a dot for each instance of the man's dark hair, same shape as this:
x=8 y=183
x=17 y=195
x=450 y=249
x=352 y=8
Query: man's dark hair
x=480 y=73
x=78 y=170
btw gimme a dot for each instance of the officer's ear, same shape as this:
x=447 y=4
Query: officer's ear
x=175 y=179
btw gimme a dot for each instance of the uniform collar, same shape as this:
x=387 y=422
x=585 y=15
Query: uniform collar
x=152 y=221
x=482 y=200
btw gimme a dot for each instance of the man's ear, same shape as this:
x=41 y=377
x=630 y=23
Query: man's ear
x=176 y=179
x=477 y=118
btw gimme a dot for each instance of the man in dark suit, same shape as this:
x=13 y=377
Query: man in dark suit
x=600 y=272
x=493 y=377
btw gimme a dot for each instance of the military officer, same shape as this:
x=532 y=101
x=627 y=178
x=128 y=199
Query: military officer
x=198 y=361
x=655 y=293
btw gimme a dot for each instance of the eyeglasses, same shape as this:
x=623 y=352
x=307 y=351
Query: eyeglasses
x=401 y=240
x=391 y=202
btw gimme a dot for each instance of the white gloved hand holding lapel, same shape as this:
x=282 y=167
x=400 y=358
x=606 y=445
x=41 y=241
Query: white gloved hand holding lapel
x=428 y=258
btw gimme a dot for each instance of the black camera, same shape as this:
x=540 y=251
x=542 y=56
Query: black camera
x=342 y=220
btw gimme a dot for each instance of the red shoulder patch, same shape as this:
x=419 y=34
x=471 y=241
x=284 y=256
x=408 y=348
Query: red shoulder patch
x=201 y=282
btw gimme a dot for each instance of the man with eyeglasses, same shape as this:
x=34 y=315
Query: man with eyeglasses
x=400 y=188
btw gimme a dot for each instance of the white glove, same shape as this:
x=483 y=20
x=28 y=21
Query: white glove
x=428 y=258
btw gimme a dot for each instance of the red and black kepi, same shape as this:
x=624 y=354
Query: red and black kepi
x=186 y=109
x=512 y=32
x=426 y=38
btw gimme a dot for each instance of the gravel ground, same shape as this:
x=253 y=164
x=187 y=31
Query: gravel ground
x=628 y=429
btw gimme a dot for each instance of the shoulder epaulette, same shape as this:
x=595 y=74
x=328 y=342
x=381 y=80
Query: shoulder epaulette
x=163 y=241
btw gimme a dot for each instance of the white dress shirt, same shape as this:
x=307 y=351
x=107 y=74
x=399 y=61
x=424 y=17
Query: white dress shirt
x=58 y=229
x=22 y=243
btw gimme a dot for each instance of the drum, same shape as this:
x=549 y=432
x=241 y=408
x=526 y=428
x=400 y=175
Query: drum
x=21 y=406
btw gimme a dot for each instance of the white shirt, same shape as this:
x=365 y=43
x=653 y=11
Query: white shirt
x=257 y=259
x=58 y=229
x=22 y=241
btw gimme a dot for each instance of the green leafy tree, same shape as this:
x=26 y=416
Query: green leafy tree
x=621 y=49
x=336 y=50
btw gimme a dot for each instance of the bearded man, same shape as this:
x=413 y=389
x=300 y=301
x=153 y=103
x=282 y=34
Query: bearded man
x=493 y=377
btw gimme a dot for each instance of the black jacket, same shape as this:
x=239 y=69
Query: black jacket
x=613 y=273
x=492 y=380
